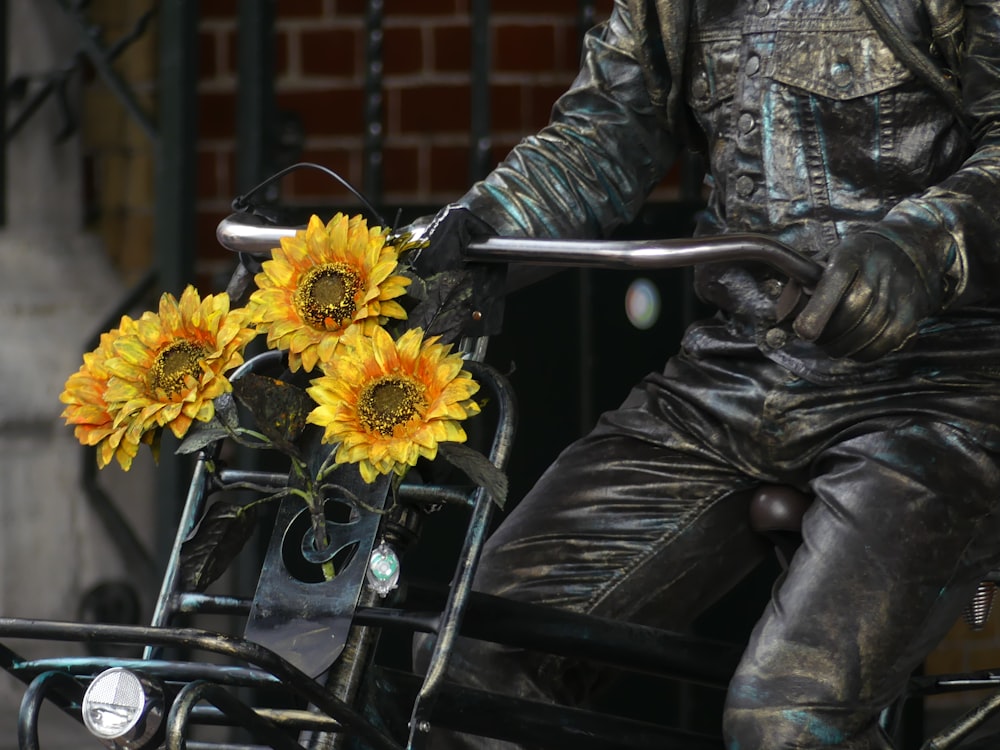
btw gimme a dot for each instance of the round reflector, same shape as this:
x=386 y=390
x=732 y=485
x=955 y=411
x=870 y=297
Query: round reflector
x=117 y=704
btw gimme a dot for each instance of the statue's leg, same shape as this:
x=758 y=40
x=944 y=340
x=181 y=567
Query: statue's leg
x=641 y=520
x=902 y=527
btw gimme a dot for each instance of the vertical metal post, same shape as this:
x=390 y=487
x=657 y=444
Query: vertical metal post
x=586 y=354
x=255 y=108
x=481 y=143
x=176 y=185
x=4 y=47
x=256 y=134
x=373 y=133
x=175 y=150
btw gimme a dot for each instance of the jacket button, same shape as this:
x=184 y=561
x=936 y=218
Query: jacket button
x=744 y=186
x=772 y=288
x=746 y=122
x=841 y=74
x=775 y=338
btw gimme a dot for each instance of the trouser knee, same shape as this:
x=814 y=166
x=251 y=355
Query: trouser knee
x=792 y=715
x=763 y=727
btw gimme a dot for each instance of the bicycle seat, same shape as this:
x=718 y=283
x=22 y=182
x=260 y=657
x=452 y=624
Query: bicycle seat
x=776 y=513
x=778 y=507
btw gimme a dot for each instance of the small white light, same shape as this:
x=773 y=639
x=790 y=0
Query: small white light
x=383 y=569
x=122 y=707
x=642 y=304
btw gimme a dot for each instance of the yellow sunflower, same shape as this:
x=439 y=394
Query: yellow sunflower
x=167 y=372
x=88 y=408
x=387 y=403
x=320 y=282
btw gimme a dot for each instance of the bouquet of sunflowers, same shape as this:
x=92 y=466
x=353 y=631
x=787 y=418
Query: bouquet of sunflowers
x=384 y=393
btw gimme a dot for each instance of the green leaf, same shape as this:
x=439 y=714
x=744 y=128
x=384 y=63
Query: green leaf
x=417 y=290
x=445 y=304
x=214 y=543
x=279 y=408
x=226 y=412
x=476 y=467
x=224 y=423
x=201 y=435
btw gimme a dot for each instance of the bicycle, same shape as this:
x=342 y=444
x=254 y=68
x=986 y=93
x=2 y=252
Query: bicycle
x=283 y=684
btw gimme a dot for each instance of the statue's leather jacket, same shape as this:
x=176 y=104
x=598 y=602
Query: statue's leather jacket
x=816 y=119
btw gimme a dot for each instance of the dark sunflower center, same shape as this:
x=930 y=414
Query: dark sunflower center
x=173 y=363
x=387 y=402
x=327 y=292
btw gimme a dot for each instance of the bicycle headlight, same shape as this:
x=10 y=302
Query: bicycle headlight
x=123 y=708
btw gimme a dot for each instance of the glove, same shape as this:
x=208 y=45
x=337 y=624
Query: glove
x=459 y=298
x=869 y=300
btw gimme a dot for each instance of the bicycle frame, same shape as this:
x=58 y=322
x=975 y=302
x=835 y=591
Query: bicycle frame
x=284 y=657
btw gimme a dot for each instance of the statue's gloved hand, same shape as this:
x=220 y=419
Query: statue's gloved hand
x=869 y=300
x=461 y=298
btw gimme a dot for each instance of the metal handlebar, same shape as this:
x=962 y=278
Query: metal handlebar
x=248 y=234
x=648 y=254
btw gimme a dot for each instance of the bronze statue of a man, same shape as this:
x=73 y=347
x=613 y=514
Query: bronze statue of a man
x=866 y=134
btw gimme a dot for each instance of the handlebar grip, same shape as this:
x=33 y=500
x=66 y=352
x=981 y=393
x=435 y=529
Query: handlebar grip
x=246 y=233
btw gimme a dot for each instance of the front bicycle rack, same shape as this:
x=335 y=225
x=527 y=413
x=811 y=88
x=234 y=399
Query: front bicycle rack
x=295 y=628
x=295 y=674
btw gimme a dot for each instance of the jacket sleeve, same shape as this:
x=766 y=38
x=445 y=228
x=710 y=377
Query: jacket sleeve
x=591 y=168
x=952 y=230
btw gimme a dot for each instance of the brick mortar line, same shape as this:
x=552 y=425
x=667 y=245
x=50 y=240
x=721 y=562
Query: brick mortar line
x=537 y=19
x=317 y=84
x=396 y=140
x=223 y=147
x=496 y=77
x=226 y=26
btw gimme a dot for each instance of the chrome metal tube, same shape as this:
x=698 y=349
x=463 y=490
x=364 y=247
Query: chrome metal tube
x=248 y=234
x=648 y=254
x=244 y=233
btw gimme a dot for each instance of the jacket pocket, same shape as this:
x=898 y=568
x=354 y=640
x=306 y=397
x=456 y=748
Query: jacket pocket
x=711 y=79
x=839 y=65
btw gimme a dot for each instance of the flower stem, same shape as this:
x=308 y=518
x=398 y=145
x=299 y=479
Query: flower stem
x=314 y=502
x=320 y=538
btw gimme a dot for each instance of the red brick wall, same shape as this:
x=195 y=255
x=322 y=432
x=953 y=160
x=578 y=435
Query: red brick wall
x=320 y=48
